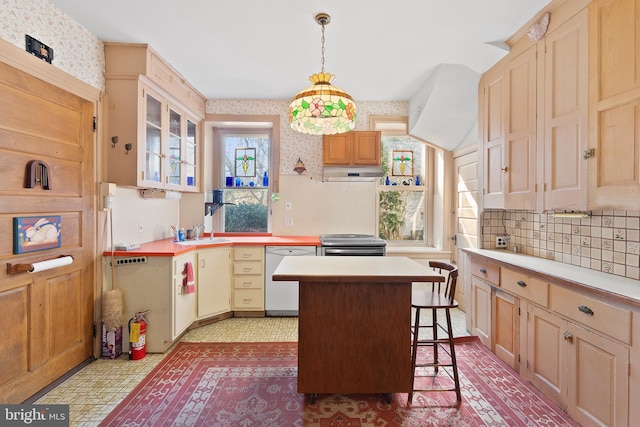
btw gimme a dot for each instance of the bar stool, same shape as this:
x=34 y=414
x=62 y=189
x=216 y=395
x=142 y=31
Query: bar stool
x=439 y=298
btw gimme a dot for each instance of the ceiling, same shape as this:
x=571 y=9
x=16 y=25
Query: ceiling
x=258 y=49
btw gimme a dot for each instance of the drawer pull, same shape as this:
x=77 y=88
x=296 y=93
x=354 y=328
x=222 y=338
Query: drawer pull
x=585 y=310
x=246 y=269
x=521 y=283
x=247 y=300
x=568 y=336
x=483 y=270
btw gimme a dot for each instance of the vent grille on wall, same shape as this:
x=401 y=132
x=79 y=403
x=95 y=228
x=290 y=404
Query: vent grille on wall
x=131 y=260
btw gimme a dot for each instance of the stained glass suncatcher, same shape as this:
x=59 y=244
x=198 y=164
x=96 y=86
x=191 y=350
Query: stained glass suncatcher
x=245 y=162
x=402 y=163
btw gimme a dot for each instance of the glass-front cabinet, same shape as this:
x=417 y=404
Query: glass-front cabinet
x=169 y=160
x=154 y=122
x=153 y=154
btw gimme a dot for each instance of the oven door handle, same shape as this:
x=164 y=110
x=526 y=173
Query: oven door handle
x=360 y=251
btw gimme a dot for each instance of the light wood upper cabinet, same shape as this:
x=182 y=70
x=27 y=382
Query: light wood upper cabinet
x=154 y=122
x=520 y=144
x=352 y=148
x=565 y=115
x=491 y=127
x=614 y=115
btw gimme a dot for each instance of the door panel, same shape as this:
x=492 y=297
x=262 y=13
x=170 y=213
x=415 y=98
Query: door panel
x=46 y=317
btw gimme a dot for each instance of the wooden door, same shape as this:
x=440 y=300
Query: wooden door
x=565 y=115
x=597 y=397
x=614 y=104
x=336 y=149
x=520 y=134
x=491 y=121
x=465 y=217
x=546 y=359
x=46 y=318
x=481 y=311
x=366 y=147
x=506 y=328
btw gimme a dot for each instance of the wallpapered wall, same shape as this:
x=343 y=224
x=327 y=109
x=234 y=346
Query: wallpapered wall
x=294 y=144
x=76 y=50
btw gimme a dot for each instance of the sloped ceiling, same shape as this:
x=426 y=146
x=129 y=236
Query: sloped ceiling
x=378 y=50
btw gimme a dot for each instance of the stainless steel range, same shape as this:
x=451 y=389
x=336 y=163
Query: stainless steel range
x=352 y=245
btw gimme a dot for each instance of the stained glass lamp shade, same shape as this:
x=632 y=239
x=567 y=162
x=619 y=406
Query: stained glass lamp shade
x=322 y=108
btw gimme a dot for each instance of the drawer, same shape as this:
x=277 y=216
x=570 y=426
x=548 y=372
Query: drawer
x=247 y=268
x=248 y=282
x=593 y=313
x=485 y=271
x=528 y=287
x=248 y=300
x=248 y=253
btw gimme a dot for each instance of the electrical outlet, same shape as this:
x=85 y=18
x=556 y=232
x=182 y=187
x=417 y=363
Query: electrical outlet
x=288 y=222
x=501 y=241
x=140 y=228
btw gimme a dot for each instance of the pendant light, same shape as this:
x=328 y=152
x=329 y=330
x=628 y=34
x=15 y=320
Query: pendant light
x=322 y=109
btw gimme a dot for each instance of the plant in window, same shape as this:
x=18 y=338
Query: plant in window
x=392 y=210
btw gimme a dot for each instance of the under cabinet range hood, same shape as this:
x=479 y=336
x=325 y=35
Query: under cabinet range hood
x=351 y=173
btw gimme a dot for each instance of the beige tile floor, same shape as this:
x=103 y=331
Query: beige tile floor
x=94 y=391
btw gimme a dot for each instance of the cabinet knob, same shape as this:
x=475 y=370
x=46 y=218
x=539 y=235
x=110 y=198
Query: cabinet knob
x=483 y=270
x=521 y=283
x=586 y=310
x=505 y=169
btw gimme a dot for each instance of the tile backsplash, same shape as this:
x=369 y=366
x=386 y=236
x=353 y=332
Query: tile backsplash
x=607 y=241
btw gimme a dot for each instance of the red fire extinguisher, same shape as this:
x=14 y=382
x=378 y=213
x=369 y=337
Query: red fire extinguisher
x=137 y=332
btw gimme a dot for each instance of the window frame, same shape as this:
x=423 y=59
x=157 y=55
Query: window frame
x=245 y=124
x=398 y=126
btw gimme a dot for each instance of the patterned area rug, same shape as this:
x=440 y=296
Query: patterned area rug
x=254 y=384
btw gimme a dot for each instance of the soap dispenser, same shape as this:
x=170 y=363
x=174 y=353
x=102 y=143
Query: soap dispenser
x=265 y=179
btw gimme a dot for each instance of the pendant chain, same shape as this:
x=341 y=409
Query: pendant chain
x=322 y=48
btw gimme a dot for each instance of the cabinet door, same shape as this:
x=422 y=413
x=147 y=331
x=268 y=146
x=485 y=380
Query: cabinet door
x=214 y=282
x=614 y=107
x=151 y=164
x=492 y=134
x=366 y=148
x=184 y=303
x=191 y=156
x=481 y=310
x=546 y=361
x=598 y=379
x=505 y=328
x=520 y=140
x=565 y=115
x=175 y=147
x=336 y=149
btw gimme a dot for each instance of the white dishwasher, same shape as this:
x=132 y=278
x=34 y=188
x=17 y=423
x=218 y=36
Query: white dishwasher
x=281 y=298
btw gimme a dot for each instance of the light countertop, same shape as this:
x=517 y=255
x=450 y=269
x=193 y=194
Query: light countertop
x=597 y=282
x=354 y=268
x=167 y=247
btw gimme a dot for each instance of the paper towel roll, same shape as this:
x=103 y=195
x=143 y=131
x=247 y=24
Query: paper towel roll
x=51 y=263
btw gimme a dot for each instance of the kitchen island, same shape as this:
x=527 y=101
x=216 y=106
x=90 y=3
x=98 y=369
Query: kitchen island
x=354 y=322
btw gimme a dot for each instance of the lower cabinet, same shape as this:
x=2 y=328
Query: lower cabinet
x=584 y=372
x=481 y=294
x=506 y=328
x=248 y=280
x=575 y=347
x=214 y=281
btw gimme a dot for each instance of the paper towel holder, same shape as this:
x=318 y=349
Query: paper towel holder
x=24 y=268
